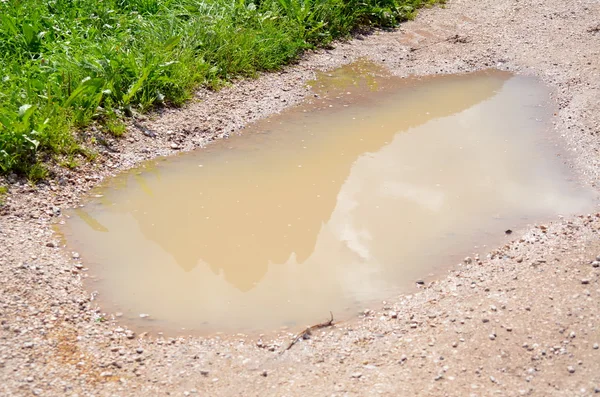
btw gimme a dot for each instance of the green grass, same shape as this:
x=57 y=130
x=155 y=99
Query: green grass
x=67 y=63
x=3 y=193
x=115 y=127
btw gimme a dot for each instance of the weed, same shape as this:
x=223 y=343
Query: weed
x=70 y=162
x=3 y=193
x=67 y=63
x=36 y=172
x=115 y=127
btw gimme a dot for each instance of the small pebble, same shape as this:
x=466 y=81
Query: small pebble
x=492 y=336
x=264 y=373
x=585 y=281
x=356 y=375
x=571 y=369
x=595 y=346
x=204 y=372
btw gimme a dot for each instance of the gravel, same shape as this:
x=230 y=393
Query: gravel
x=52 y=331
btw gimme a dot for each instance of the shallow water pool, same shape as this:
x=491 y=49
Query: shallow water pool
x=330 y=206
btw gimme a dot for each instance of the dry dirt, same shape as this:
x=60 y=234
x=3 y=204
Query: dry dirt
x=523 y=319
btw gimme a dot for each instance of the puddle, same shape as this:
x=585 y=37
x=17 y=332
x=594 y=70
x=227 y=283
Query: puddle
x=330 y=206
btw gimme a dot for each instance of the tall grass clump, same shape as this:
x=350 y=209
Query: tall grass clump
x=65 y=63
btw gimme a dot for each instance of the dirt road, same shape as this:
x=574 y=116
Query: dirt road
x=524 y=319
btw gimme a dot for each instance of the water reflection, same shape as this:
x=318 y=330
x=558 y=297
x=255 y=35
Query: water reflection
x=242 y=215
x=90 y=221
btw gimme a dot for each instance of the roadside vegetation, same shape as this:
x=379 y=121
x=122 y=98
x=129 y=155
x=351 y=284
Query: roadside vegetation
x=67 y=63
x=3 y=193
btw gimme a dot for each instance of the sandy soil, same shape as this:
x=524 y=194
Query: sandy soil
x=523 y=319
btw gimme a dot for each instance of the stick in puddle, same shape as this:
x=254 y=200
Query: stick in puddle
x=308 y=331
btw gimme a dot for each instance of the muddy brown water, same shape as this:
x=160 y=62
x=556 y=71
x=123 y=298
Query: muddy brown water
x=331 y=206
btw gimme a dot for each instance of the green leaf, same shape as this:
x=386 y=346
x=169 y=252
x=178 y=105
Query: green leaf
x=9 y=23
x=29 y=33
x=172 y=43
x=136 y=87
x=5 y=121
x=23 y=109
x=87 y=84
x=34 y=142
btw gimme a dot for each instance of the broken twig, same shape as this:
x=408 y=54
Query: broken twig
x=456 y=39
x=145 y=131
x=308 y=331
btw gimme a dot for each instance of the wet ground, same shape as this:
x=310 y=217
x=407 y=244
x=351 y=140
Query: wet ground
x=519 y=319
x=332 y=205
